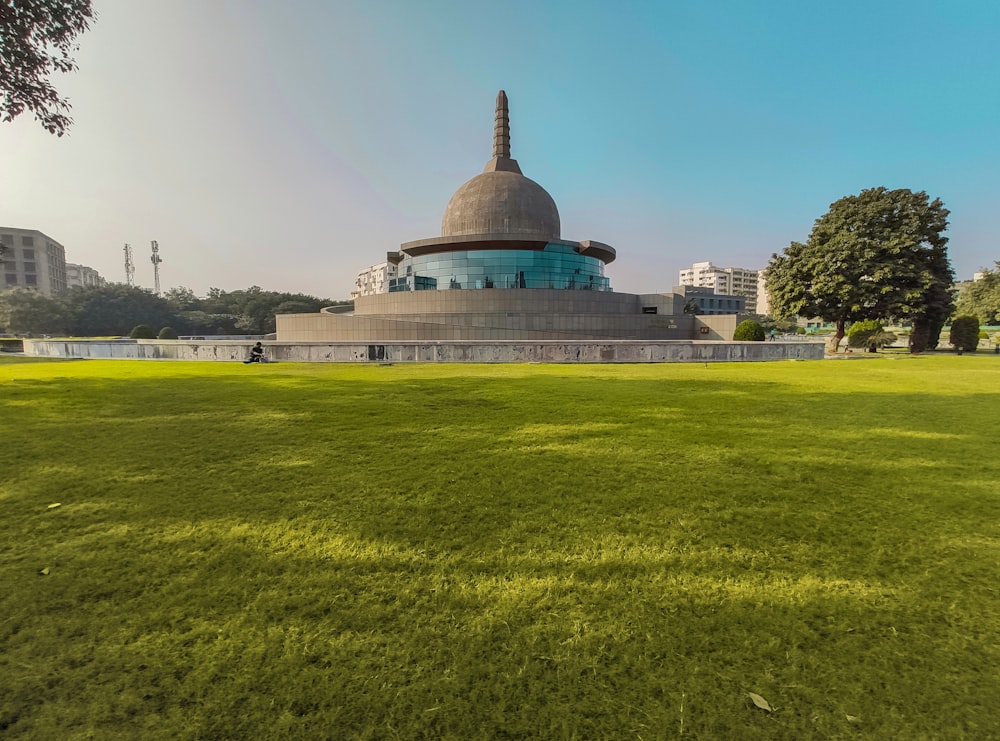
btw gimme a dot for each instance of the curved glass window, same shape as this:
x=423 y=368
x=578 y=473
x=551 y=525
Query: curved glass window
x=557 y=266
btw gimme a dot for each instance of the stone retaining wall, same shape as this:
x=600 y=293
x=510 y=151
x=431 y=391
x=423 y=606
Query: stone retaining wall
x=618 y=351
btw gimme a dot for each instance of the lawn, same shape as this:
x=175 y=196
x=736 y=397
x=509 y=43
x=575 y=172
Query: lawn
x=295 y=551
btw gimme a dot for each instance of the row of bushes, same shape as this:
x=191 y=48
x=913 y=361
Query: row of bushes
x=871 y=335
x=145 y=332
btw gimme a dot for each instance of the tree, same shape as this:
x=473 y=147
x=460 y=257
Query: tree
x=181 y=298
x=748 y=331
x=255 y=309
x=939 y=304
x=298 y=306
x=877 y=255
x=37 y=38
x=142 y=332
x=114 y=309
x=24 y=311
x=782 y=326
x=982 y=297
x=933 y=298
x=965 y=333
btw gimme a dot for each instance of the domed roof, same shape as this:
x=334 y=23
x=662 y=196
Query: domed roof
x=501 y=200
x=501 y=203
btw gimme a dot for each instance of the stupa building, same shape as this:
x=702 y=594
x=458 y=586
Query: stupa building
x=500 y=271
x=501 y=230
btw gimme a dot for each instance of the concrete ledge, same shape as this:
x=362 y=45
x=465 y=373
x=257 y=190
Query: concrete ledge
x=614 y=351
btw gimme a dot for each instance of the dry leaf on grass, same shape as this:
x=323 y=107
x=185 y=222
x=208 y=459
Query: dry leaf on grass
x=760 y=702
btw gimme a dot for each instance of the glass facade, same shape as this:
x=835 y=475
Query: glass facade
x=557 y=266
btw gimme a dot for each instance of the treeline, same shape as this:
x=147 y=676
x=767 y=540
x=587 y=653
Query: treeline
x=113 y=310
x=981 y=298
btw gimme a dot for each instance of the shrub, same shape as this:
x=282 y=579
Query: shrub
x=748 y=331
x=167 y=333
x=881 y=339
x=142 y=332
x=965 y=333
x=869 y=334
x=860 y=334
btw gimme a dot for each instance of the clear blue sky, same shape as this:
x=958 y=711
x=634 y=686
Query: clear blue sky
x=291 y=143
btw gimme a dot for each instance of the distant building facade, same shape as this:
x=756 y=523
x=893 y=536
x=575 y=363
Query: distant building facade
x=375 y=280
x=725 y=281
x=763 y=299
x=82 y=276
x=707 y=300
x=32 y=260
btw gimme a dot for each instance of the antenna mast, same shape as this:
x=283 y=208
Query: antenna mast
x=129 y=266
x=156 y=260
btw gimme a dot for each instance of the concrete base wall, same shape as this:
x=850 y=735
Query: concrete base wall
x=505 y=315
x=619 y=351
x=438 y=327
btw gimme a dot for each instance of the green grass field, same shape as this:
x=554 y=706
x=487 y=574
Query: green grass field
x=295 y=551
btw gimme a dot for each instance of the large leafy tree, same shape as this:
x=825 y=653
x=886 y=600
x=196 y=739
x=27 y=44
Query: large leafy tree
x=37 y=38
x=881 y=254
x=981 y=298
x=24 y=311
x=255 y=308
x=115 y=309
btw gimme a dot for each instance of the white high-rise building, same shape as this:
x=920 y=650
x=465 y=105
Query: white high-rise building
x=375 y=279
x=725 y=281
x=82 y=276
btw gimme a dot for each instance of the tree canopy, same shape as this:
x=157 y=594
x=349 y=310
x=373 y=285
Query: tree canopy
x=981 y=298
x=881 y=254
x=37 y=38
x=115 y=309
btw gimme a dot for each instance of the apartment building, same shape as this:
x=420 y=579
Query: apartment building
x=32 y=260
x=375 y=279
x=725 y=281
x=82 y=276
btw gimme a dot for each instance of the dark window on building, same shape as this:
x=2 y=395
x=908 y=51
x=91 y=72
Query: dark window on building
x=29 y=267
x=6 y=239
x=11 y=279
x=648 y=309
x=28 y=254
x=31 y=280
x=28 y=241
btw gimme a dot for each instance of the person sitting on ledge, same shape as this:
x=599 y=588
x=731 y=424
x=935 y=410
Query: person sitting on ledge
x=256 y=353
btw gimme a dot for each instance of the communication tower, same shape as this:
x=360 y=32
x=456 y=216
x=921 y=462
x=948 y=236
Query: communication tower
x=156 y=260
x=129 y=266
